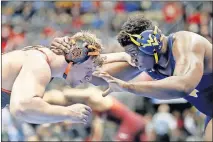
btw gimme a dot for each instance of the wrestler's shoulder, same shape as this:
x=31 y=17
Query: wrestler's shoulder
x=189 y=39
x=46 y=53
x=184 y=33
x=52 y=55
x=16 y=54
x=187 y=35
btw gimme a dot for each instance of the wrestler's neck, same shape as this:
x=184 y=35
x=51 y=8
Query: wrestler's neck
x=164 y=47
x=58 y=65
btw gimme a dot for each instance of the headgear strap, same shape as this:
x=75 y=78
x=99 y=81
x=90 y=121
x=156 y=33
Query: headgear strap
x=149 y=41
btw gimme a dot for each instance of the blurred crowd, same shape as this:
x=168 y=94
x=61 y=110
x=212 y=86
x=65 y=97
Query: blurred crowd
x=38 y=22
x=162 y=125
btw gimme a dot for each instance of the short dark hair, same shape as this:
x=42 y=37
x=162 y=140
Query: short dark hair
x=134 y=25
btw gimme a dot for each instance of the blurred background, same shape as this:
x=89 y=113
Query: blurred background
x=30 y=23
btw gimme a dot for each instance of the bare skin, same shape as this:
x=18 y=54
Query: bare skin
x=208 y=133
x=12 y=64
x=188 y=70
x=58 y=92
x=193 y=56
x=188 y=60
x=31 y=70
x=28 y=76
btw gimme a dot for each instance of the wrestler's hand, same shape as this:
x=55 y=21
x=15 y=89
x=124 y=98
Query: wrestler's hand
x=128 y=59
x=61 y=42
x=79 y=113
x=96 y=101
x=115 y=85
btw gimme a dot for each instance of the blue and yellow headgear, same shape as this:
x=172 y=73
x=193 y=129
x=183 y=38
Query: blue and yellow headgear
x=149 y=42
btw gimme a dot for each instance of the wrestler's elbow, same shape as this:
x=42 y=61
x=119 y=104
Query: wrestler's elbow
x=191 y=81
x=18 y=109
x=51 y=96
x=180 y=90
x=188 y=88
x=185 y=88
x=21 y=109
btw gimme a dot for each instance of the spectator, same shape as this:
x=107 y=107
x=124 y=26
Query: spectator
x=164 y=123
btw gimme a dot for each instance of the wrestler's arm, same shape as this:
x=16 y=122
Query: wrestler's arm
x=116 y=64
x=175 y=86
x=54 y=93
x=121 y=70
x=26 y=98
x=97 y=126
x=116 y=57
x=58 y=92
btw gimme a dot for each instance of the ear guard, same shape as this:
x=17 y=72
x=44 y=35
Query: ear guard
x=81 y=51
x=149 y=42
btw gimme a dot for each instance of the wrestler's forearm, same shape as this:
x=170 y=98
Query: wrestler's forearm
x=121 y=70
x=37 y=111
x=169 y=88
x=97 y=129
x=113 y=57
x=73 y=93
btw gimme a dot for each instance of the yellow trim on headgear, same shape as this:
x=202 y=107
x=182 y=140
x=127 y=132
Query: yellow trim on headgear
x=155 y=30
x=156 y=57
x=133 y=40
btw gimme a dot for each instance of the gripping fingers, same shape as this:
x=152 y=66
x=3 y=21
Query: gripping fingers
x=66 y=47
x=82 y=120
x=88 y=109
x=86 y=112
x=85 y=118
x=66 y=44
x=55 y=44
x=61 y=44
x=66 y=39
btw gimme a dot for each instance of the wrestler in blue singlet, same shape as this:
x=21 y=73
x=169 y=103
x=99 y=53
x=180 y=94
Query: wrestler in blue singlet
x=201 y=97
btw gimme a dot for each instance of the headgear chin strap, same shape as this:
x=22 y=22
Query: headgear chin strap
x=149 y=42
x=81 y=51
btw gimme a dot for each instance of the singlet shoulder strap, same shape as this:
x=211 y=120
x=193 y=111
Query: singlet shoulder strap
x=170 y=46
x=170 y=40
x=38 y=48
x=48 y=61
x=6 y=91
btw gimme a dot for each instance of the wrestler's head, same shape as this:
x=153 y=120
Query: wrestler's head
x=142 y=41
x=84 y=55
